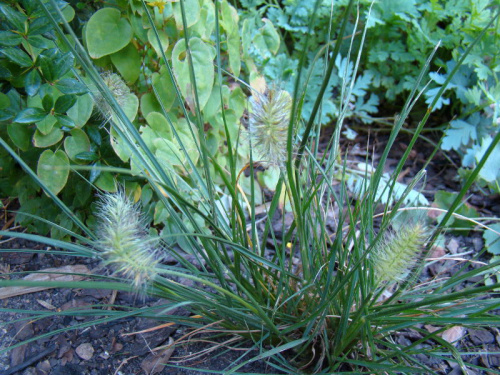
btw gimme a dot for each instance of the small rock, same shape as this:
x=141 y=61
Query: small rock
x=453 y=246
x=85 y=351
x=481 y=336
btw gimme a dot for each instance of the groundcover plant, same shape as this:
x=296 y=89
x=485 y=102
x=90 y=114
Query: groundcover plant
x=317 y=300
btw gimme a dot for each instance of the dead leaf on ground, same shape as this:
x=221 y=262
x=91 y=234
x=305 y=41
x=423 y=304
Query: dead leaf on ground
x=53 y=274
x=453 y=334
x=155 y=362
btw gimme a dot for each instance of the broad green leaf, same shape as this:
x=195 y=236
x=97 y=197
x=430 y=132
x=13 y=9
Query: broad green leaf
x=40 y=140
x=10 y=39
x=64 y=102
x=65 y=121
x=70 y=86
x=130 y=105
x=17 y=56
x=45 y=126
x=55 y=65
x=48 y=103
x=53 y=169
x=128 y=62
x=149 y=104
x=444 y=200
x=40 y=42
x=4 y=101
x=76 y=143
x=13 y=17
x=107 y=32
x=206 y=24
x=20 y=134
x=119 y=146
x=267 y=39
x=491 y=169
x=159 y=125
x=32 y=82
x=30 y=115
x=168 y=152
x=233 y=50
x=164 y=88
x=202 y=56
x=86 y=156
x=492 y=240
x=192 y=8
x=82 y=110
x=154 y=42
x=39 y=26
x=107 y=182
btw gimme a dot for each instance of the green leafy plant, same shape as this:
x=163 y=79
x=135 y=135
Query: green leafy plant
x=311 y=301
x=402 y=34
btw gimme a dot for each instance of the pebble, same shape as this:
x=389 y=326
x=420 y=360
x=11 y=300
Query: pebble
x=85 y=351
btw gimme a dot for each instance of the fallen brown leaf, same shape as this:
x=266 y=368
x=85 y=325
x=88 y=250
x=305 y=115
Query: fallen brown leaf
x=54 y=274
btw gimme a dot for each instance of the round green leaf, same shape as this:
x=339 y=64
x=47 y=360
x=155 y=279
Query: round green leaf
x=107 y=32
x=154 y=42
x=106 y=182
x=20 y=135
x=45 y=126
x=164 y=88
x=130 y=105
x=202 y=56
x=149 y=104
x=128 y=63
x=42 y=141
x=77 y=143
x=192 y=8
x=53 y=169
x=82 y=110
x=119 y=146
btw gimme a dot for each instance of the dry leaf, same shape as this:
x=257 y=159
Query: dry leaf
x=45 y=304
x=155 y=362
x=453 y=334
x=55 y=274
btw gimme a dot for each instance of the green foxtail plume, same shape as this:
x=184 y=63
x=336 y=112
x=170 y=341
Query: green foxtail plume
x=124 y=240
x=269 y=120
x=398 y=253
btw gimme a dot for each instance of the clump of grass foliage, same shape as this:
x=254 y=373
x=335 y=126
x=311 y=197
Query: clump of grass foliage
x=325 y=313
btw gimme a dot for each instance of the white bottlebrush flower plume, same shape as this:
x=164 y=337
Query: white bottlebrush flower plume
x=118 y=89
x=124 y=240
x=395 y=256
x=268 y=128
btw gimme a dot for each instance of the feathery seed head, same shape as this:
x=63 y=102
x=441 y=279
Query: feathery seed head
x=268 y=128
x=398 y=253
x=123 y=240
x=118 y=89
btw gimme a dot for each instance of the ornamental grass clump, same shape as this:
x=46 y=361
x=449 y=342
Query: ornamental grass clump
x=300 y=275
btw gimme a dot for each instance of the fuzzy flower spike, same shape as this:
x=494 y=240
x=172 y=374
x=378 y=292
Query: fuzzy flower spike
x=119 y=90
x=398 y=253
x=269 y=121
x=124 y=241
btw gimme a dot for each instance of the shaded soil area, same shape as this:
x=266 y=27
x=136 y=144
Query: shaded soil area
x=130 y=345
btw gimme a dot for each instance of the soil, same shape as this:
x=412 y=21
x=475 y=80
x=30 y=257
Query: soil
x=126 y=346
